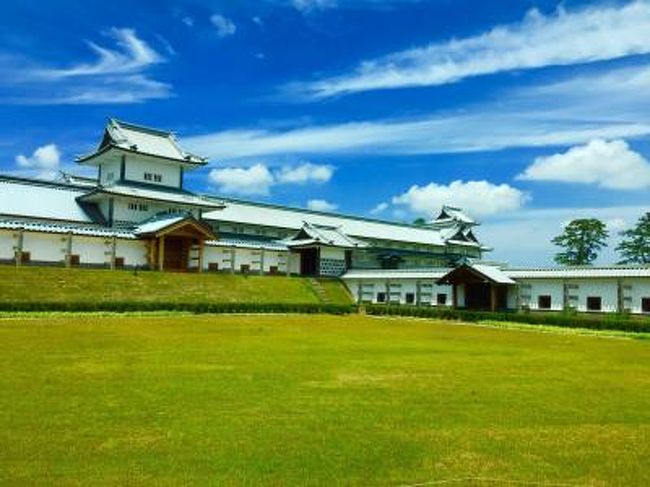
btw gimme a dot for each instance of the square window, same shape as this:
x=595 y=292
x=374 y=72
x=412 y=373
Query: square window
x=645 y=305
x=441 y=299
x=213 y=266
x=381 y=297
x=119 y=262
x=594 y=303
x=245 y=268
x=410 y=298
x=544 y=302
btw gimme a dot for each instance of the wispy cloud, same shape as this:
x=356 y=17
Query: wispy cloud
x=117 y=75
x=562 y=38
x=131 y=55
x=570 y=112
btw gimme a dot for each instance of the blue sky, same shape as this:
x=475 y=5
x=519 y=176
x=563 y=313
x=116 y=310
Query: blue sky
x=526 y=113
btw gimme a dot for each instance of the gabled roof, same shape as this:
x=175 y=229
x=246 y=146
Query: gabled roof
x=163 y=224
x=311 y=234
x=476 y=272
x=143 y=140
x=450 y=214
x=152 y=193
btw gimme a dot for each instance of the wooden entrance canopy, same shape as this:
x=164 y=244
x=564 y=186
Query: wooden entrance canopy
x=171 y=241
x=485 y=286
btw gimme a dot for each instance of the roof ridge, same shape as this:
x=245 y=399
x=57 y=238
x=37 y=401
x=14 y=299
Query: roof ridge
x=41 y=182
x=143 y=128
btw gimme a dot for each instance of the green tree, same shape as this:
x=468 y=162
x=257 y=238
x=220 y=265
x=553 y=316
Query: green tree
x=581 y=240
x=635 y=246
x=420 y=222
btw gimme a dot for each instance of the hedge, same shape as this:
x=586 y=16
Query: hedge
x=201 y=307
x=569 y=320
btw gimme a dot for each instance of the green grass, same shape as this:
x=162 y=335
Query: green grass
x=47 y=284
x=317 y=400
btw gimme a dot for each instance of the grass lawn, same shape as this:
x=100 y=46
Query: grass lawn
x=317 y=400
x=55 y=284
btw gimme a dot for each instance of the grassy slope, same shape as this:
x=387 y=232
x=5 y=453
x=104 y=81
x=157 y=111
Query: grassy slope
x=57 y=284
x=316 y=400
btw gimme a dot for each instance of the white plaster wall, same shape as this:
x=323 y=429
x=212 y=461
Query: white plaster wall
x=542 y=287
x=110 y=167
x=91 y=250
x=332 y=253
x=134 y=252
x=213 y=255
x=605 y=288
x=640 y=288
x=122 y=212
x=7 y=243
x=46 y=247
x=136 y=167
x=370 y=288
x=294 y=263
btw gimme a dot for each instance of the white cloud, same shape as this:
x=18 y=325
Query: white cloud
x=117 y=75
x=564 y=38
x=478 y=198
x=131 y=55
x=321 y=205
x=305 y=173
x=225 y=27
x=379 y=209
x=187 y=20
x=45 y=157
x=611 y=165
x=608 y=105
x=308 y=6
x=256 y=179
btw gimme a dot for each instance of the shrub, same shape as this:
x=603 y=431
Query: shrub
x=620 y=322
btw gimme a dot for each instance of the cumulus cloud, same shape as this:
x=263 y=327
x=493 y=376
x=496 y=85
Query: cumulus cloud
x=321 y=205
x=305 y=173
x=563 y=38
x=258 y=179
x=608 y=164
x=478 y=198
x=225 y=27
x=45 y=157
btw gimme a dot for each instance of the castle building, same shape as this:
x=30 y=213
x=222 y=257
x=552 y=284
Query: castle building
x=138 y=213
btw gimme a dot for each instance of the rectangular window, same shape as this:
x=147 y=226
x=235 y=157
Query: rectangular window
x=381 y=297
x=245 y=268
x=157 y=178
x=148 y=176
x=213 y=266
x=410 y=298
x=273 y=269
x=74 y=259
x=441 y=299
x=594 y=303
x=645 y=305
x=119 y=262
x=544 y=302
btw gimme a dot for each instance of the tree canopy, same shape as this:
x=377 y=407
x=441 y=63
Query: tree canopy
x=581 y=240
x=635 y=246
